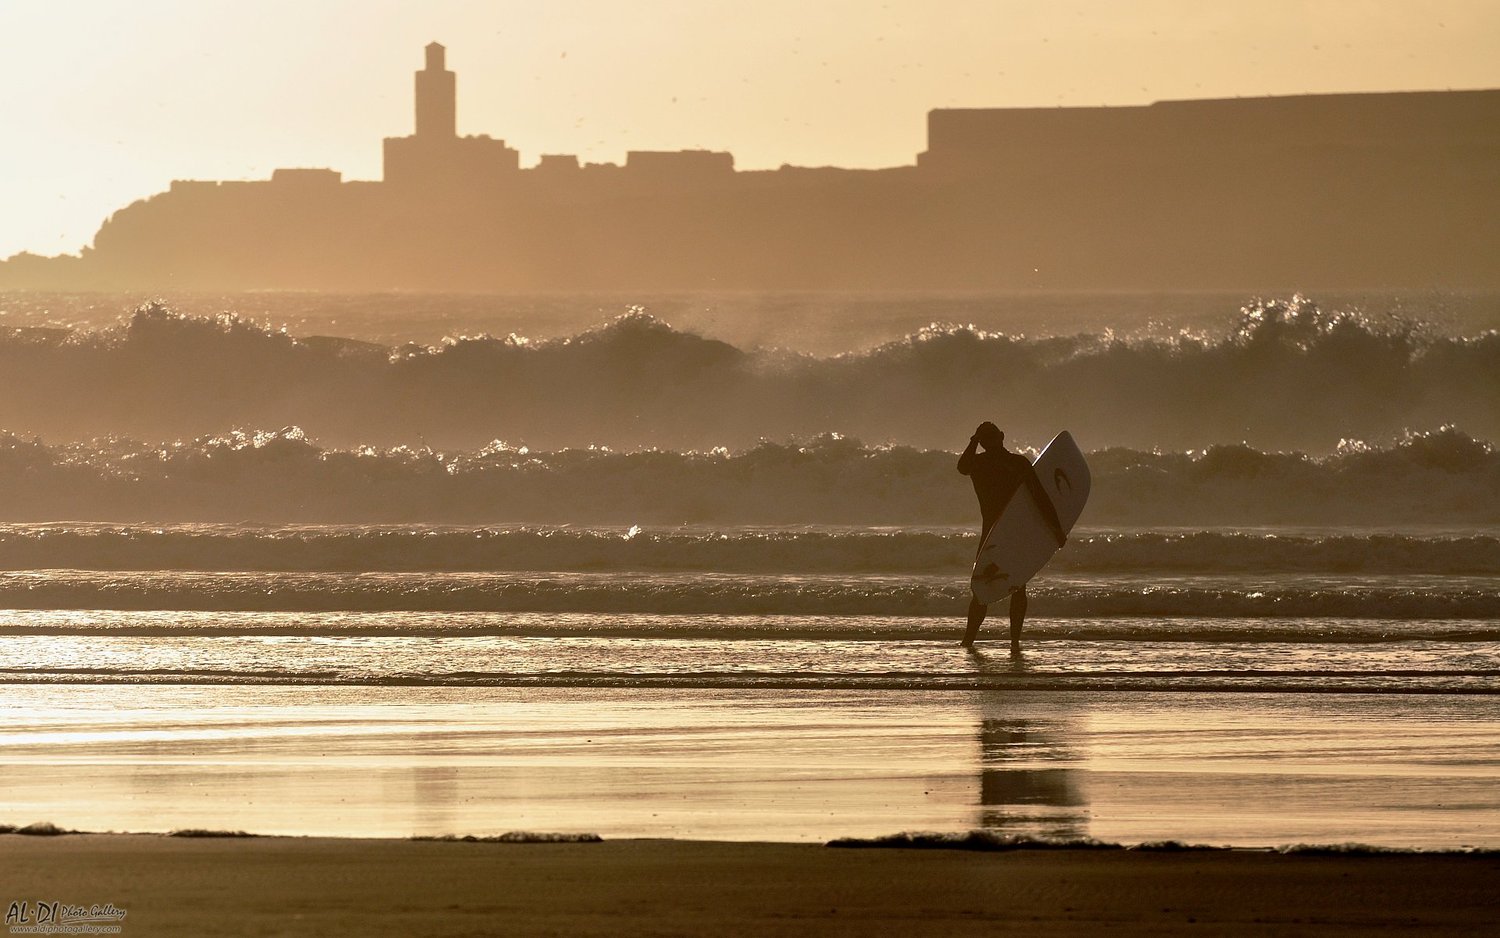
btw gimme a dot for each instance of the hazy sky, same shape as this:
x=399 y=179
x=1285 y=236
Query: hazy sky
x=106 y=101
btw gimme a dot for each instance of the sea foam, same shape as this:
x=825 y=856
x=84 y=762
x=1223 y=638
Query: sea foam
x=1286 y=374
x=1437 y=477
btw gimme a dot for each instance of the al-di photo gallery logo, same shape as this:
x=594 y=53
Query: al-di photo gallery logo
x=34 y=917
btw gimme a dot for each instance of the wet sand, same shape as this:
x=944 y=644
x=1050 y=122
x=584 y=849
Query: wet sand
x=725 y=771
x=1244 y=769
x=175 y=886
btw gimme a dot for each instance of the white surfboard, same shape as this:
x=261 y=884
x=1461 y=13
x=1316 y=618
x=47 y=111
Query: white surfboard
x=1021 y=542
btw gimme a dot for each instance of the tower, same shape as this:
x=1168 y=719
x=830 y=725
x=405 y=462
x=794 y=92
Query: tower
x=436 y=157
x=436 y=97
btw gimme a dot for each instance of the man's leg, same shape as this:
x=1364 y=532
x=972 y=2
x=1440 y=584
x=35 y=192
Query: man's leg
x=977 y=611
x=1017 y=616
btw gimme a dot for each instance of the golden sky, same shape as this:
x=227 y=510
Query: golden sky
x=106 y=101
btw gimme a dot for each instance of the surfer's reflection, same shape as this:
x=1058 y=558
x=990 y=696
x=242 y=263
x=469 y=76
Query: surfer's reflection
x=434 y=795
x=1019 y=791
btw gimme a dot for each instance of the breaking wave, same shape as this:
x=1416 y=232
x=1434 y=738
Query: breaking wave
x=1438 y=477
x=707 y=594
x=1286 y=374
x=378 y=548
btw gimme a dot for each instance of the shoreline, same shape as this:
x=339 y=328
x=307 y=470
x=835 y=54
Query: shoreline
x=1050 y=684
x=974 y=841
x=318 y=885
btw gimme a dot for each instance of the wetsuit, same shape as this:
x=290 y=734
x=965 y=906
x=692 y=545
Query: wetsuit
x=996 y=475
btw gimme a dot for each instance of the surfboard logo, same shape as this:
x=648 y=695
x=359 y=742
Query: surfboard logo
x=1059 y=479
x=991 y=573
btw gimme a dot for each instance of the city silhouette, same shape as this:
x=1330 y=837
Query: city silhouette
x=1316 y=191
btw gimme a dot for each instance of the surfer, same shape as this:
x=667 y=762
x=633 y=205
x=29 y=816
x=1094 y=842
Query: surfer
x=997 y=473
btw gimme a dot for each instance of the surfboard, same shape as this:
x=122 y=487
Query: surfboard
x=1021 y=542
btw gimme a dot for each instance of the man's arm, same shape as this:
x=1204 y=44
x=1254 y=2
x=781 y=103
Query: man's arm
x=966 y=461
x=1044 y=502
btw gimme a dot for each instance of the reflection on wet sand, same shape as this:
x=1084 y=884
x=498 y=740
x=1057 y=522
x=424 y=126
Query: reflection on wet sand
x=1029 y=781
x=434 y=796
x=1243 y=769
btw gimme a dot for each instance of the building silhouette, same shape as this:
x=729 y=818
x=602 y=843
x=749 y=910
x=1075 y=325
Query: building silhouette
x=1359 y=191
x=436 y=156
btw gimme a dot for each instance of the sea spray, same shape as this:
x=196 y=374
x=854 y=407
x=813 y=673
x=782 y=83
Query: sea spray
x=1287 y=374
x=1437 y=477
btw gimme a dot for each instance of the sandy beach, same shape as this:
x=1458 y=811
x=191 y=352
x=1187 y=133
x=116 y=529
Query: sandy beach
x=256 y=886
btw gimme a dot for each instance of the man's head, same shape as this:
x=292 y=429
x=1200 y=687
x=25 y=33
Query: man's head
x=990 y=436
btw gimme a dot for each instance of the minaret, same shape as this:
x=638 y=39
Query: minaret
x=436 y=108
x=435 y=157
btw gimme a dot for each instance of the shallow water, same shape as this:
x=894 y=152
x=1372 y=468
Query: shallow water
x=826 y=608
x=639 y=651
x=1241 y=687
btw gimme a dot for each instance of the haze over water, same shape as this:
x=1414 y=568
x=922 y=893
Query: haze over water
x=632 y=558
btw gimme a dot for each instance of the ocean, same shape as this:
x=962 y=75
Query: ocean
x=268 y=600
x=742 y=608
x=1277 y=375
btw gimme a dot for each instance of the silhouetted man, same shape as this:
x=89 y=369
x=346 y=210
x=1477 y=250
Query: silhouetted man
x=996 y=474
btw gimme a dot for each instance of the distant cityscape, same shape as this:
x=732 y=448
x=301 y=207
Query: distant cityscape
x=1362 y=191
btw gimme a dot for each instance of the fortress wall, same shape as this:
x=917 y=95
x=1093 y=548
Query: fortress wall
x=1420 y=121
